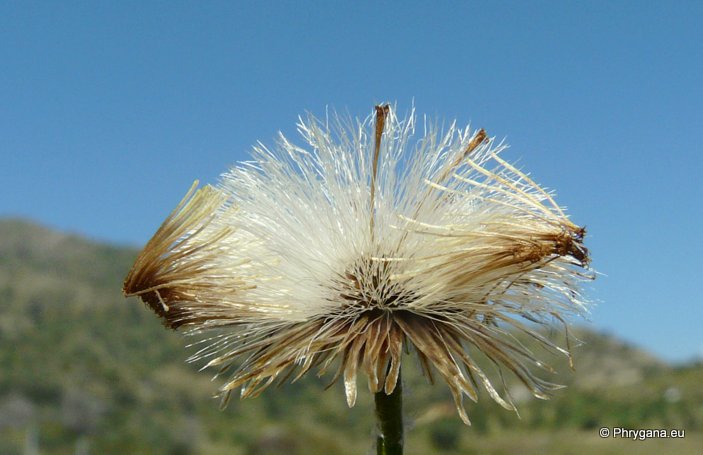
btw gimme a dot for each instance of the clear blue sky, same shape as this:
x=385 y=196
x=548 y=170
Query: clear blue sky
x=109 y=110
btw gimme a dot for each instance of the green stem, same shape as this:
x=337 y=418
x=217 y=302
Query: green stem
x=389 y=412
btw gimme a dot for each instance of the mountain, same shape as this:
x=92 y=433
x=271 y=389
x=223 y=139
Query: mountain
x=84 y=370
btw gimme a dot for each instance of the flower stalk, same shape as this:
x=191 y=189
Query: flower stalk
x=389 y=412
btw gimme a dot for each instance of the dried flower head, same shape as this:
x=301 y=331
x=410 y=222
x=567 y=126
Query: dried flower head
x=359 y=245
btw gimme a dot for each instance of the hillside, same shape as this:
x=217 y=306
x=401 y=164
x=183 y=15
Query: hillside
x=86 y=371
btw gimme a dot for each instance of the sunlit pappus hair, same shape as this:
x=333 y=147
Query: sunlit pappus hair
x=362 y=243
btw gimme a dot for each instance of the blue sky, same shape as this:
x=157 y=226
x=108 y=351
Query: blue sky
x=109 y=111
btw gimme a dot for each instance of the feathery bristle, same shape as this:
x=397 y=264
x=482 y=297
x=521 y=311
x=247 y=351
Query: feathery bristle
x=360 y=245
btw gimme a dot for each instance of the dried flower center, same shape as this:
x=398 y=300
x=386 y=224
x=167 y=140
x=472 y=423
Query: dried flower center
x=367 y=286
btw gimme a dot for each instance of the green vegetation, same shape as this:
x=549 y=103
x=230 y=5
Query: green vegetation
x=84 y=371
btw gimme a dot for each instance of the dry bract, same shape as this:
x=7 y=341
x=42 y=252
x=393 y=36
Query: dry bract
x=365 y=243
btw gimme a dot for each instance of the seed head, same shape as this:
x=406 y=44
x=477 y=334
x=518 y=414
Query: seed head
x=362 y=243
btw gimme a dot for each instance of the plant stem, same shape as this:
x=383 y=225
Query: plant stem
x=389 y=412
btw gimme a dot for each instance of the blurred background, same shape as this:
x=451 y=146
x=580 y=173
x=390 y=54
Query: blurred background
x=109 y=111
